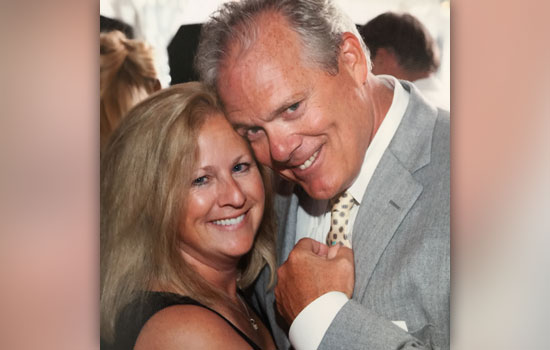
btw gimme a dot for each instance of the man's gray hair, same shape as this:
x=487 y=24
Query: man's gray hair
x=319 y=24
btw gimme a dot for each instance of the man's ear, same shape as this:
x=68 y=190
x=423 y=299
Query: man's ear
x=352 y=57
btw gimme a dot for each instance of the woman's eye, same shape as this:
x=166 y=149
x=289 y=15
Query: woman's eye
x=200 y=181
x=241 y=167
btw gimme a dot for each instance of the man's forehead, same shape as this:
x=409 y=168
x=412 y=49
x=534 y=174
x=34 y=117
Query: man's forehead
x=259 y=97
x=273 y=42
x=257 y=88
x=259 y=80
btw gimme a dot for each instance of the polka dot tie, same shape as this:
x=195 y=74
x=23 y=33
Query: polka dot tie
x=339 y=219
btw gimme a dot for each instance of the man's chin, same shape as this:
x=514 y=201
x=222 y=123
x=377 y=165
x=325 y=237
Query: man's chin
x=319 y=192
x=315 y=189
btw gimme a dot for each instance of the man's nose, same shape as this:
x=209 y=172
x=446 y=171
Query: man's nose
x=230 y=193
x=282 y=145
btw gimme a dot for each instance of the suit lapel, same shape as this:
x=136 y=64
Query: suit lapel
x=389 y=197
x=287 y=225
x=392 y=190
x=286 y=204
x=290 y=236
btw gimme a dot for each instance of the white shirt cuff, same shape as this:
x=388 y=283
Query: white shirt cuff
x=311 y=324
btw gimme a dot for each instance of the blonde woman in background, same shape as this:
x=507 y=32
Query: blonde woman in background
x=127 y=76
x=186 y=225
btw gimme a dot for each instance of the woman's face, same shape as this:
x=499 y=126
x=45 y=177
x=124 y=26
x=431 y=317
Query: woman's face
x=226 y=197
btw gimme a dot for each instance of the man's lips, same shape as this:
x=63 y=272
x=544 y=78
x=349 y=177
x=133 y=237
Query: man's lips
x=293 y=171
x=309 y=161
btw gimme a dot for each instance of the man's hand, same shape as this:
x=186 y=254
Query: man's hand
x=311 y=270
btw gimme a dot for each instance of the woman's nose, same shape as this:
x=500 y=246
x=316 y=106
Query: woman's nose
x=231 y=194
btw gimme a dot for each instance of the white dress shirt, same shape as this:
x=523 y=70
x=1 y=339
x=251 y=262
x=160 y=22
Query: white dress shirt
x=313 y=221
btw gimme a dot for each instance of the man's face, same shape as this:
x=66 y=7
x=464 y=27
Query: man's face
x=309 y=126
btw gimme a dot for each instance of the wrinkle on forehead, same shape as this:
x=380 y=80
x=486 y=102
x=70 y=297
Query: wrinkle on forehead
x=270 y=71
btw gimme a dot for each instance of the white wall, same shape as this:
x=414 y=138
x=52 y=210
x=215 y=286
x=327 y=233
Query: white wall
x=157 y=21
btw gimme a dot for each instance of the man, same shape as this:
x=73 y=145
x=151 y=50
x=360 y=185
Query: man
x=295 y=80
x=400 y=45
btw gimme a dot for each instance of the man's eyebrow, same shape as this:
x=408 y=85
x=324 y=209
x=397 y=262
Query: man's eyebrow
x=240 y=126
x=289 y=101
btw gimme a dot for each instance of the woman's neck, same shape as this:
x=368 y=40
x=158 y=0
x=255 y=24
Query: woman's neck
x=222 y=276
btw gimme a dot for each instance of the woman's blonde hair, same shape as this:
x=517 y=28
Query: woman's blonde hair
x=145 y=177
x=127 y=76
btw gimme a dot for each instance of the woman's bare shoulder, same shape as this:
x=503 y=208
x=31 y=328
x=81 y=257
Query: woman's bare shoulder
x=189 y=327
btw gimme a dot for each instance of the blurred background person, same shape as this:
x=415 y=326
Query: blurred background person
x=127 y=76
x=400 y=45
x=183 y=228
x=156 y=22
x=107 y=24
x=172 y=27
x=181 y=53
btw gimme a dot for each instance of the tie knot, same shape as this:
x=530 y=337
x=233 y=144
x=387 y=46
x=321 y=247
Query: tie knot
x=344 y=202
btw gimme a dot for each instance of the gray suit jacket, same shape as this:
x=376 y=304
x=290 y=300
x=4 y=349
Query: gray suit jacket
x=400 y=243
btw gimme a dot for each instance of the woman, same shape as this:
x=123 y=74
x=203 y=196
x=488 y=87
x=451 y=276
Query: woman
x=182 y=229
x=127 y=76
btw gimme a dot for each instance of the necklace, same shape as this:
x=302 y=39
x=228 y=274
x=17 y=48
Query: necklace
x=250 y=318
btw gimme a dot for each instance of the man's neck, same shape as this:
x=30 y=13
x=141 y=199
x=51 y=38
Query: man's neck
x=381 y=92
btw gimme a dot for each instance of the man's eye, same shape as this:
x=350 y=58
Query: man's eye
x=294 y=107
x=253 y=133
x=241 y=167
x=200 y=181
